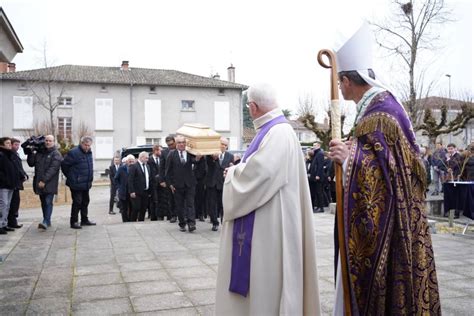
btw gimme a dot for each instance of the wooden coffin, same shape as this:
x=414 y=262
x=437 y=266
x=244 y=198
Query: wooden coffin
x=200 y=139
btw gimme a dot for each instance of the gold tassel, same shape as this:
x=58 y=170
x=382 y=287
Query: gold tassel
x=393 y=135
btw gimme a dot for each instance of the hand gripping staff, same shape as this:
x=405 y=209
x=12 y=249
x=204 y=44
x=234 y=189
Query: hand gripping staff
x=336 y=133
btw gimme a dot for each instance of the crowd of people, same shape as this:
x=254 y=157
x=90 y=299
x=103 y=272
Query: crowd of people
x=171 y=183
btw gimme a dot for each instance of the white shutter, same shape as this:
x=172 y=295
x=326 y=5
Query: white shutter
x=22 y=112
x=153 y=115
x=141 y=140
x=233 y=143
x=221 y=116
x=104 y=147
x=104 y=114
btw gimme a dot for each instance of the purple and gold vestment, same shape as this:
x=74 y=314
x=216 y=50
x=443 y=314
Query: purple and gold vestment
x=389 y=251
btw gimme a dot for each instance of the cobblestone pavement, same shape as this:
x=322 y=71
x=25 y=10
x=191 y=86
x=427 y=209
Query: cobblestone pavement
x=152 y=268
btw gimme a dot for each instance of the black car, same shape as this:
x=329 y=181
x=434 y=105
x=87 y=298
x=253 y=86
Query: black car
x=135 y=150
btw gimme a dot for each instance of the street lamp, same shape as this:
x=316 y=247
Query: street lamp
x=449 y=103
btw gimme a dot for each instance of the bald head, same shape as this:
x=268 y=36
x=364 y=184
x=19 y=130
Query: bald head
x=49 y=141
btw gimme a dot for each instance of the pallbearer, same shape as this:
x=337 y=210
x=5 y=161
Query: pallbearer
x=388 y=252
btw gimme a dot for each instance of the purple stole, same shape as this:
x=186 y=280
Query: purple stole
x=243 y=227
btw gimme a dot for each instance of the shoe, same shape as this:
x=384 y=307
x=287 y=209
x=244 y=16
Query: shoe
x=173 y=219
x=3 y=231
x=88 y=223
x=214 y=228
x=9 y=229
x=160 y=219
x=318 y=210
x=112 y=213
x=191 y=228
x=76 y=226
x=16 y=226
x=42 y=226
x=182 y=229
x=201 y=218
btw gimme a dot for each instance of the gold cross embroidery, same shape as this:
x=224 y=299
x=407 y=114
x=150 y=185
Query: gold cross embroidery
x=241 y=238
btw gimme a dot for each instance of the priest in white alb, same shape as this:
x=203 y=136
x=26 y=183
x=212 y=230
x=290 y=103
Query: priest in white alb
x=267 y=260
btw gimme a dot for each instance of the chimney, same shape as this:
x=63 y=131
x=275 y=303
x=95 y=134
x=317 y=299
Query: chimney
x=216 y=76
x=11 y=67
x=124 y=65
x=3 y=67
x=231 y=73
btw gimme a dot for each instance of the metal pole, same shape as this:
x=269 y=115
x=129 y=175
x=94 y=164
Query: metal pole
x=449 y=105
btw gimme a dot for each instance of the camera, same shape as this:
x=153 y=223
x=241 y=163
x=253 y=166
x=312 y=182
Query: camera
x=34 y=143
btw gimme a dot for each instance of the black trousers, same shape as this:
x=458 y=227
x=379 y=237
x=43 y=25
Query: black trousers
x=200 y=199
x=318 y=193
x=80 y=203
x=169 y=208
x=139 y=206
x=159 y=203
x=212 y=204
x=14 y=207
x=113 y=193
x=125 y=209
x=184 y=202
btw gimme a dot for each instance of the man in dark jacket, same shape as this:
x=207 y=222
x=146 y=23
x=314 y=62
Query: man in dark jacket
x=216 y=165
x=113 y=168
x=121 y=182
x=77 y=166
x=168 y=200
x=45 y=182
x=316 y=177
x=9 y=180
x=140 y=187
x=180 y=176
x=15 y=202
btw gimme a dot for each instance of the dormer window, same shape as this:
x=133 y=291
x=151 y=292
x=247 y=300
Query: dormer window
x=187 y=105
x=152 y=90
x=103 y=89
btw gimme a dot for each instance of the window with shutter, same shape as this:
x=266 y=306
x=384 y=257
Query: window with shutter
x=104 y=147
x=22 y=112
x=104 y=114
x=221 y=116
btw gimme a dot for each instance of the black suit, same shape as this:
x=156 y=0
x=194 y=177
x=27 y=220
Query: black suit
x=181 y=177
x=200 y=196
x=137 y=185
x=159 y=200
x=215 y=184
x=168 y=199
x=113 y=188
x=316 y=185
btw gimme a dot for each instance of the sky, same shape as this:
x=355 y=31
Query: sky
x=266 y=41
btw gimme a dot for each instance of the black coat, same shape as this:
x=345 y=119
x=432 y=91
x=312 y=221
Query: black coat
x=164 y=157
x=180 y=175
x=47 y=165
x=121 y=182
x=137 y=180
x=156 y=170
x=23 y=176
x=77 y=166
x=316 y=168
x=9 y=174
x=112 y=172
x=215 y=170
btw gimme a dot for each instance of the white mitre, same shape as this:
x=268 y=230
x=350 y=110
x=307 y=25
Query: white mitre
x=355 y=54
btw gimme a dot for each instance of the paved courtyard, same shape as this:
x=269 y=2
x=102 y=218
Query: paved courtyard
x=152 y=268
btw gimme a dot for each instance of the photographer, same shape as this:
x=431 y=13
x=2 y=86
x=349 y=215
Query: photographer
x=47 y=162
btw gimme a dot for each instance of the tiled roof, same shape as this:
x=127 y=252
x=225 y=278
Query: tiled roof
x=435 y=103
x=115 y=75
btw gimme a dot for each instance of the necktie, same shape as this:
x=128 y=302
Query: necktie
x=221 y=158
x=183 y=161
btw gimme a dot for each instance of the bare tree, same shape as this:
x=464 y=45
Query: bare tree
x=48 y=90
x=307 y=110
x=432 y=127
x=406 y=34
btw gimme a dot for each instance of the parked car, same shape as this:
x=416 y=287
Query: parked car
x=135 y=150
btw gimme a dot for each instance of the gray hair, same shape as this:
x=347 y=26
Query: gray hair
x=143 y=154
x=86 y=139
x=264 y=95
x=130 y=157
